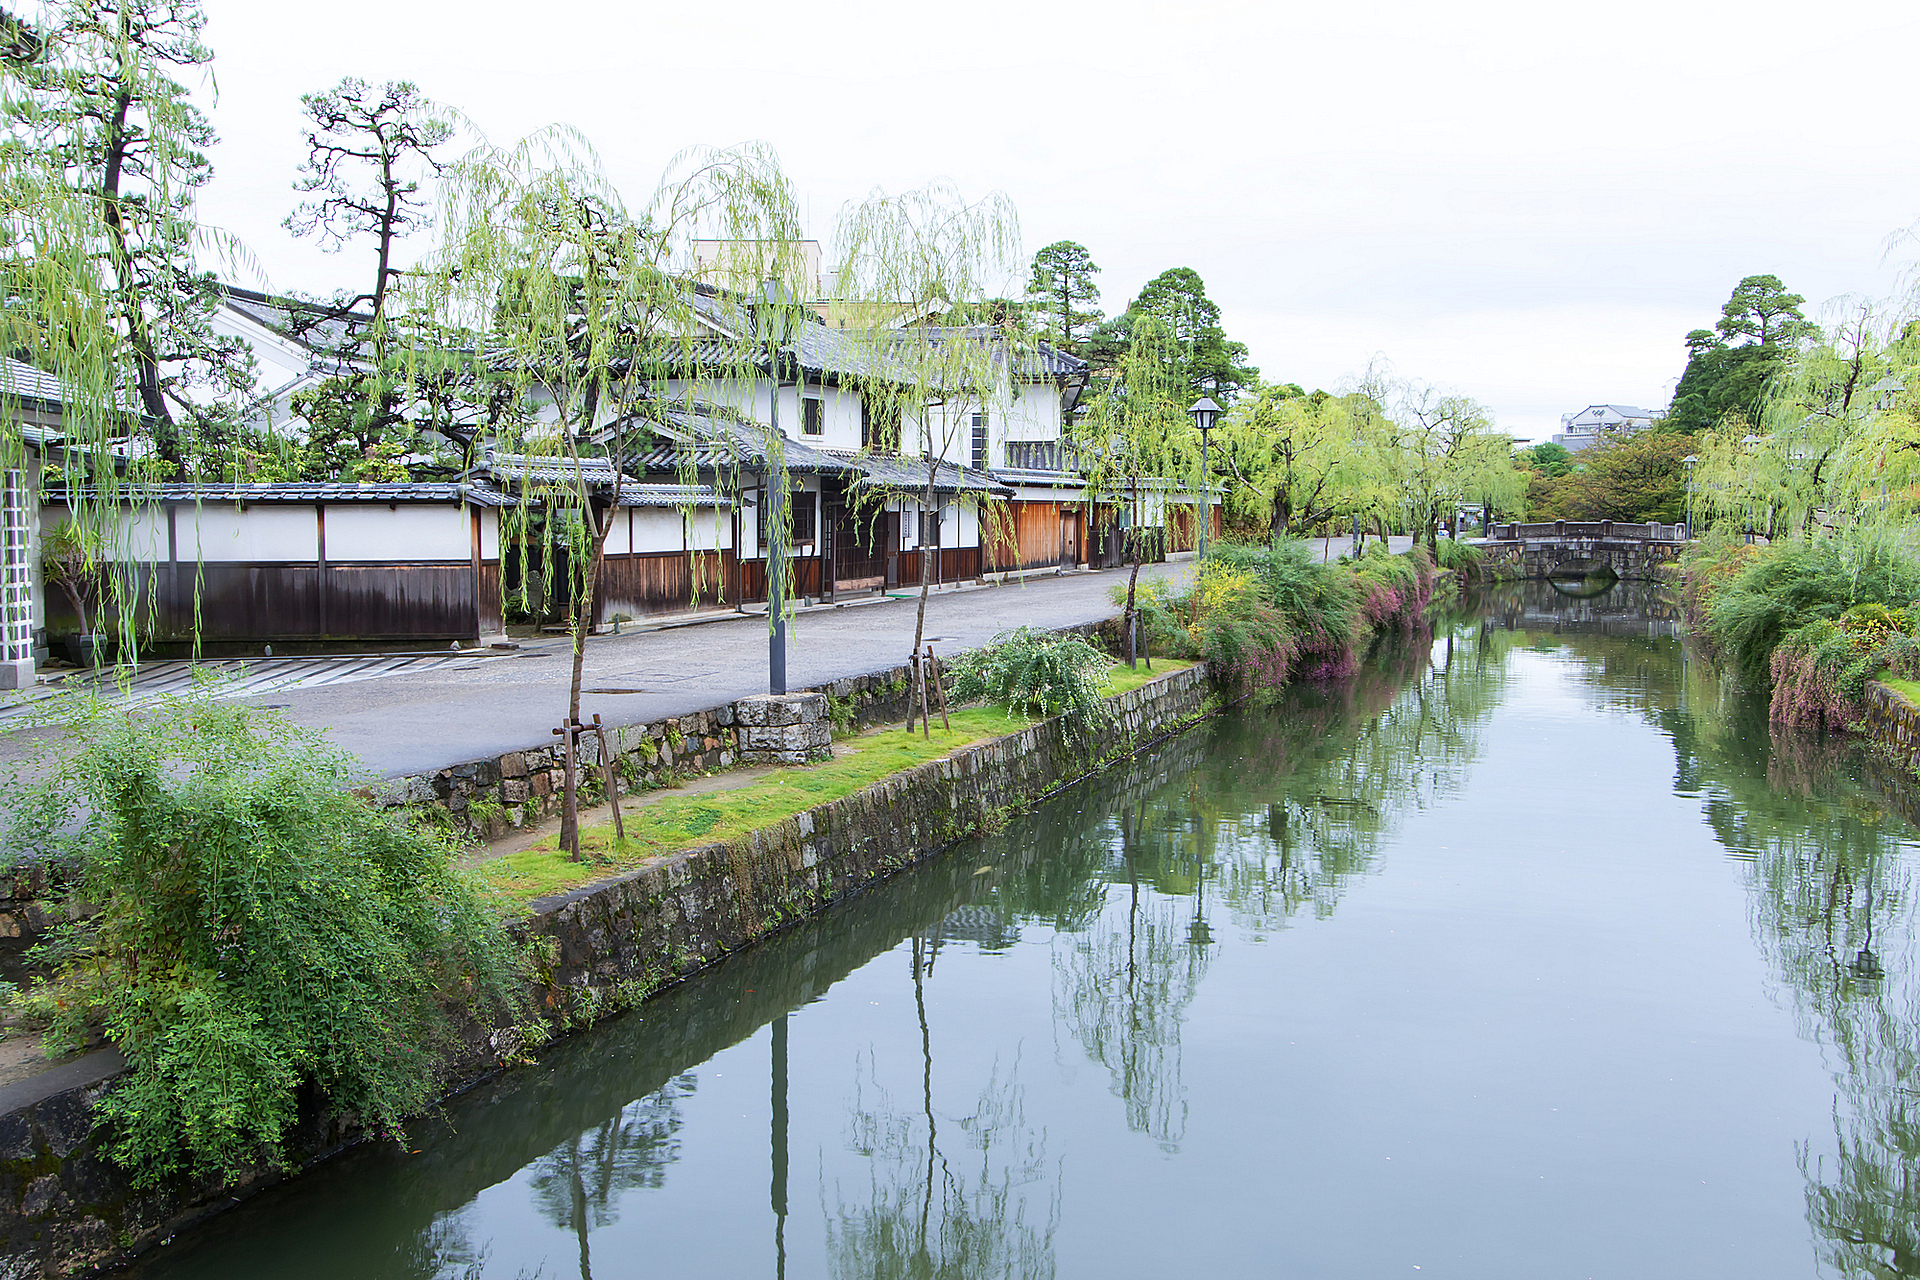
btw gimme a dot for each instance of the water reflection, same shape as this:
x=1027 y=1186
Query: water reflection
x=1831 y=876
x=1815 y=823
x=958 y=1205
x=922 y=1044
x=579 y=1184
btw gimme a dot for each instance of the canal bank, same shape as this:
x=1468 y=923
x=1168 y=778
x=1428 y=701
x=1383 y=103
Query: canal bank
x=64 y=1205
x=1530 y=947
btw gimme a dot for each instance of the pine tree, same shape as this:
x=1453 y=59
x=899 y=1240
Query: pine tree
x=1062 y=283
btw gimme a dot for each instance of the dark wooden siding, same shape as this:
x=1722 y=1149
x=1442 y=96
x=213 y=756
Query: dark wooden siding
x=959 y=564
x=751 y=578
x=490 y=619
x=250 y=603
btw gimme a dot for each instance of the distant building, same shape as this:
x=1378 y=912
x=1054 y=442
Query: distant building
x=1597 y=421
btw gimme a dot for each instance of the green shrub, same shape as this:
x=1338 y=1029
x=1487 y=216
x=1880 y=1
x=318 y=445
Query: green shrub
x=1224 y=620
x=1459 y=557
x=255 y=928
x=1780 y=590
x=1320 y=602
x=1034 y=670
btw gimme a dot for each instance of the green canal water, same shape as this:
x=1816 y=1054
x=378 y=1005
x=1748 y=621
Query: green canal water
x=1532 y=953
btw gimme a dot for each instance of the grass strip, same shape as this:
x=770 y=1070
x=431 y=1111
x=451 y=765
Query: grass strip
x=1907 y=689
x=664 y=824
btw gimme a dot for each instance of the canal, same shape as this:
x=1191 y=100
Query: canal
x=1529 y=953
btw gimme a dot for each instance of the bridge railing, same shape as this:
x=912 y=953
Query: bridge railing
x=1650 y=532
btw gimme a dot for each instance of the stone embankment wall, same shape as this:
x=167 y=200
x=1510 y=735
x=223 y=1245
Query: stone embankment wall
x=1893 y=724
x=65 y=1206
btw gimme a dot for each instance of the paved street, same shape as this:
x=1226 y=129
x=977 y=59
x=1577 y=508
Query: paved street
x=409 y=714
x=414 y=721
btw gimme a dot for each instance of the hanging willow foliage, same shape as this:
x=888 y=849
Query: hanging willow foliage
x=582 y=311
x=100 y=161
x=1135 y=447
x=917 y=276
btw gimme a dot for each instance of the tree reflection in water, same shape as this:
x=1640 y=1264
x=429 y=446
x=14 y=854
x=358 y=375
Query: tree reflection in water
x=577 y=1186
x=1830 y=874
x=1271 y=812
x=952 y=1207
x=1831 y=878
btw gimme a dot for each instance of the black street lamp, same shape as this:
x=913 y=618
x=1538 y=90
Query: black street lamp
x=772 y=319
x=1204 y=413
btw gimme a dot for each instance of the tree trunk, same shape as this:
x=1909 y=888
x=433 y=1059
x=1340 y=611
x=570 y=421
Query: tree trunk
x=926 y=581
x=582 y=623
x=1133 y=581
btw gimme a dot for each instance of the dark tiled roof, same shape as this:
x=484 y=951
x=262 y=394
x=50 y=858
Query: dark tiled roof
x=316 y=326
x=21 y=381
x=831 y=353
x=28 y=383
x=703 y=440
x=516 y=469
x=673 y=495
x=1027 y=475
x=309 y=494
x=907 y=474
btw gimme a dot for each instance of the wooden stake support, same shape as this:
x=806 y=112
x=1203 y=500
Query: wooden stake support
x=926 y=716
x=609 y=776
x=939 y=687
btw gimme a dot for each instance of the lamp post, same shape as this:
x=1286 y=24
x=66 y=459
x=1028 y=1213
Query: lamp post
x=771 y=320
x=1204 y=413
x=1690 y=462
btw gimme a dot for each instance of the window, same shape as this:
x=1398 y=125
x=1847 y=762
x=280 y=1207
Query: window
x=929 y=529
x=813 y=415
x=879 y=426
x=801 y=513
x=979 y=442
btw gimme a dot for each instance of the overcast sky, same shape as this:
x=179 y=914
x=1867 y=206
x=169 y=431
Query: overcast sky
x=1526 y=203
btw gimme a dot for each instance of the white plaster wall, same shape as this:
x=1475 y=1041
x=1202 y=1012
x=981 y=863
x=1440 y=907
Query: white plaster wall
x=489 y=533
x=1033 y=413
x=657 y=529
x=967 y=527
x=371 y=532
x=909 y=525
x=708 y=530
x=618 y=540
x=261 y=533
x=142 y=536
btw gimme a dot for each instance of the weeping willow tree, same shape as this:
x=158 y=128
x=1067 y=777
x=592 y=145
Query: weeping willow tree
x=1837 y=440
x=1138 y=449
x=103 y=157
x=920 y=270
x=578 y=316
x=1437 y=450
x=1295 y=460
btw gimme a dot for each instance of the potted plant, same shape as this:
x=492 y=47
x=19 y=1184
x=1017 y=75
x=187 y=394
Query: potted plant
x=68 y=561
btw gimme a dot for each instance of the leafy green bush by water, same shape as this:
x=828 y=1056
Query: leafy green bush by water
x=1813 y=621
x=1755 y=600
x=1458 y=557
x=253 y=929
x=1224 y=620
x=1263 y=615
x=1041 y=671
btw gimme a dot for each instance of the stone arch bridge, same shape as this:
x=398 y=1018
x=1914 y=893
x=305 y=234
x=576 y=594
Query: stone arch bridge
x=1582 y=549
